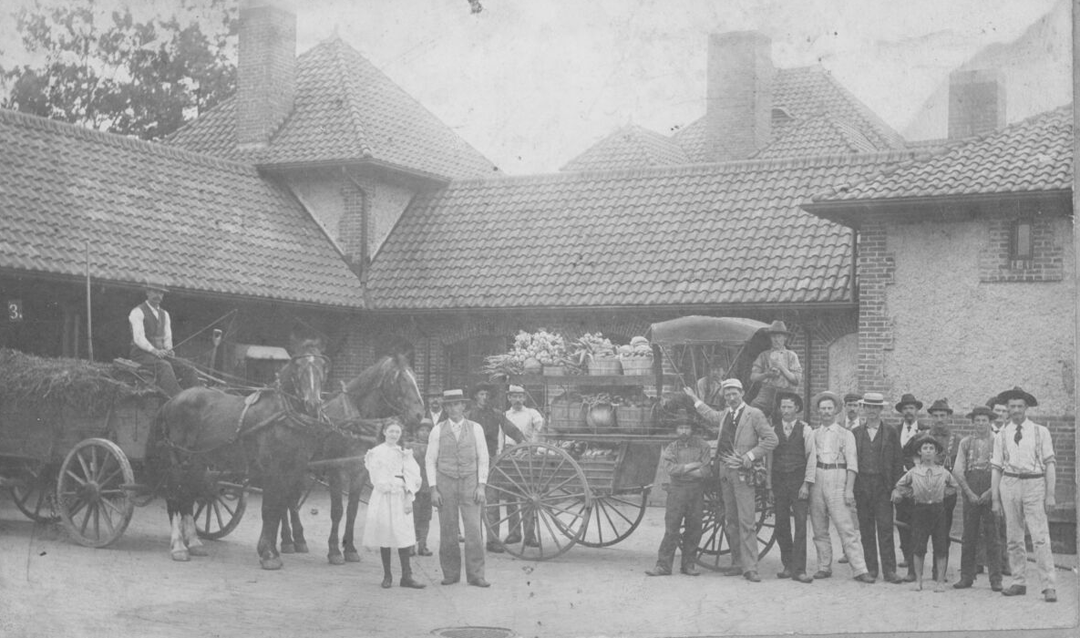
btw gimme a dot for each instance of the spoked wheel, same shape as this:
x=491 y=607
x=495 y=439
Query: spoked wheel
x=613 y=517
x=218 y=514
x=36 y=496
x=713 y=548
x=94 y=506
x=547 y=499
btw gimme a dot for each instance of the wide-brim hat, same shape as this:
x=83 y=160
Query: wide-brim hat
x=939 y=405
x=821 y=396
x=872 y=399
x=515 y=389
x=926 y=438
x=1018 y=393
x=479 y=387
x=778 y=327
x=908 y=399
x=982 y=410
x=852 y=397
x=790 y=395
x=453 y=396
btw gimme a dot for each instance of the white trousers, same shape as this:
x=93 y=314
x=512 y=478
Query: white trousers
x=1024 y=501
x=827 y=503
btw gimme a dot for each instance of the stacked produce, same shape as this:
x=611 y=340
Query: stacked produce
x=529 y=353
x=639 y=348
x=590 y=346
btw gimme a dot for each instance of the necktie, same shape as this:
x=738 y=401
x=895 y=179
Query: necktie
x=1019 y=434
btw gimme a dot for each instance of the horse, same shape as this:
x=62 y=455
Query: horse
x=385 y=390
x=270 y=435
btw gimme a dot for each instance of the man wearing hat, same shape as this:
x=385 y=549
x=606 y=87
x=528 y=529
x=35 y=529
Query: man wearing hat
x=530 y=423
x=1001 y=417
x=852 y=408
x=973 y=474
x=434 y=406
x=152 y=343
x=829 y=482
x=1022 y=487
x=496 y=428
x=910 y=428
x=881 y=464
x=686 y=461
x=745 y=438
x=457 y=468
x=788 y=469
x=775 y=369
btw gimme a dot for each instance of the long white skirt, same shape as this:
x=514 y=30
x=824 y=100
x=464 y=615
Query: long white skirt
x=386 y=523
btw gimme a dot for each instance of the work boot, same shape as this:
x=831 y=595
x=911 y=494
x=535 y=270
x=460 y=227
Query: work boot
x=963 y=583
x=1015 y=590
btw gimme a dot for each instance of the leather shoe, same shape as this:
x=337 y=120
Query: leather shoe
x=892 y=578
x=424 y=551
x=843 y=560
x=910 y=578
x=479 y=582
x=658 y=571
x=865 y=578
x=902 y=564
x=1050 y=595
x=387 y=581
x=802 y=578
x=731 y=571
x=531 y=542
x=450 y=581
x=752 y=577
x=784 y=574
x=995 y=586
x=821 y=573
x=690 y=570
x=963 y=583
x=411 y=584
x=1015 y=590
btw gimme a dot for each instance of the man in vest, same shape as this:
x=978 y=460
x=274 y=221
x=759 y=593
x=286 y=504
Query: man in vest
x=152 y=346
x=881 y=464
x=788 y=470
x=457 y=468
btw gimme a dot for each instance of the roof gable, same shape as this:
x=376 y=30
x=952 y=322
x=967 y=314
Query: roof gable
x=629 y=147
x=345 y=110
x=191 y=221
x=705 y=234
x=820 y=134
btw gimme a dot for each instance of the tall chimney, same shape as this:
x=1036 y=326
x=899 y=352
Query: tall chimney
x=976 y=102
x=266 y=71
x=738 y=112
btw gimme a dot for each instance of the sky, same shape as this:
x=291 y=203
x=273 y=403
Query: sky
x=532 y=83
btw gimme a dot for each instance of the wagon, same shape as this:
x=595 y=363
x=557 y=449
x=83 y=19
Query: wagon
x=591 y=485
x=80 y=463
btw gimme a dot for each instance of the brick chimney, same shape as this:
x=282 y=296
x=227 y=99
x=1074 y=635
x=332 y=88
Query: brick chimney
x=738 y=112
x=976 y=102
x=266 y=71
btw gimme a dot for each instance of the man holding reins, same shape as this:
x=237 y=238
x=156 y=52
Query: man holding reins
x=152 y=343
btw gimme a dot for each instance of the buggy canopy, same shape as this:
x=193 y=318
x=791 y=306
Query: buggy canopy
x=698 y=329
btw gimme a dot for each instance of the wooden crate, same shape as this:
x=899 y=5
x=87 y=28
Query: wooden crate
x=637 y=366
x=605 y=366
x=634 y=419
x=566 y=418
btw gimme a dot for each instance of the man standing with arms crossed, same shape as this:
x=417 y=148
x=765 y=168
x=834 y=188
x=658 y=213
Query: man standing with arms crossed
x=745 y=437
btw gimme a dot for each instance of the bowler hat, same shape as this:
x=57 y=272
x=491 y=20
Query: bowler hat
x=451 y=396
x=940 y=405
x=873 y=398
x=515 y=389
x=982 y=410
x=1018 y=393
x=780 y=396
x=777 y=327
x=926 y=438
x=852 y=397
x=821 y=396
x=480 y=387
x=731 y=383
x=908 y=399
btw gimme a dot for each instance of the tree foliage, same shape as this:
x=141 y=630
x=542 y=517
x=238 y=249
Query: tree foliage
x=114 y=72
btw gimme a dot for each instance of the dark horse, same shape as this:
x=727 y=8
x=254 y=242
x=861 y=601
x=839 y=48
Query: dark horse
x=386 y=389
x=269 y=436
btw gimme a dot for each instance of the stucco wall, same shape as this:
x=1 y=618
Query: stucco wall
x=958 y=338
x=843 y=364
x=322 y=196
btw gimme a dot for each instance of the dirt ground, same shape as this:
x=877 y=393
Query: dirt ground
x=52 y=587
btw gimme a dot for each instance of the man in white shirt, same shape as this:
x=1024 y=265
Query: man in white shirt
x=152 y=346
x=457 y=469
x=530 y=422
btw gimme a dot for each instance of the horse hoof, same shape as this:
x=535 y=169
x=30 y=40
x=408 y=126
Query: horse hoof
x=301 y=548
x=271 y=564
x=181 y=556
x=336 y=559
x=352 y=557
x=197 y=550
x=288 y=548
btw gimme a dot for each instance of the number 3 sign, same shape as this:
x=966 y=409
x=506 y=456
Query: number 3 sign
x=14 y=310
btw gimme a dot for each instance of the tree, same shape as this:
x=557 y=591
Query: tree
x=113 y=72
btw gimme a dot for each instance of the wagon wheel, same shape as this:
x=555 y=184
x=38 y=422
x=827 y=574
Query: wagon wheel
x=94 y=506
x=714 y=544
x=613 y=517
x=217 y=514
x=550 y=493
x=35 y=496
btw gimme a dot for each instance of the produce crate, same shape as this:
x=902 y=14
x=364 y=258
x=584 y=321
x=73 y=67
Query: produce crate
x=637 y=366
x=567 y=417
x=554 y=371
x=634 y=419
x=605 y=366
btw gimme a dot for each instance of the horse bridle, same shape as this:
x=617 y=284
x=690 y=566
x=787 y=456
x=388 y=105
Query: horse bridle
x=295 y=371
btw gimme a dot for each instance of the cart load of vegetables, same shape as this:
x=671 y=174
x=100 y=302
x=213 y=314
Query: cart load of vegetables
x=639 y=347
x=590 y=346
x=530 y=352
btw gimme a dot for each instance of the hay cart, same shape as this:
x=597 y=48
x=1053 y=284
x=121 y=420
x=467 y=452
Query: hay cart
x=588 y=483
x=78 y=462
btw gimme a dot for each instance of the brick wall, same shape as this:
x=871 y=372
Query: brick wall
x=738 y=108
x=876 y=268
x=266 y=72
x=1046 y=264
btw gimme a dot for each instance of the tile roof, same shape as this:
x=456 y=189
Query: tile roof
x=346 y=110
x=631 y=146
x=817 y=135
x=1029 y=156
x=700 y=234
x=192 y=221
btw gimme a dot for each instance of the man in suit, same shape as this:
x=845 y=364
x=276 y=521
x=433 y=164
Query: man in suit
x=788 y=468
x=745 y=439
x=880 y=466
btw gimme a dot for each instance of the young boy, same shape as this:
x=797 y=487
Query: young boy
x=972 y=472
x=422 y=504
x=927 y=484
x=687 y=463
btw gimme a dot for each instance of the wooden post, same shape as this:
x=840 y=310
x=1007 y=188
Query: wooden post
x=89 y=316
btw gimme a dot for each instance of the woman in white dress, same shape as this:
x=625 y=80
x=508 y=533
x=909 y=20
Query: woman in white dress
x=389 y=523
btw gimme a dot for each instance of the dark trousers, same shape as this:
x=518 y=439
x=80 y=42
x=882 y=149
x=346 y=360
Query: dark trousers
x=792 y=548
x=980 y=530
x=872 y=500
x=928 y=522
x=949 y=505
x=685 y=506
x=422 y=517
x=903 y=515
x=166 y=371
